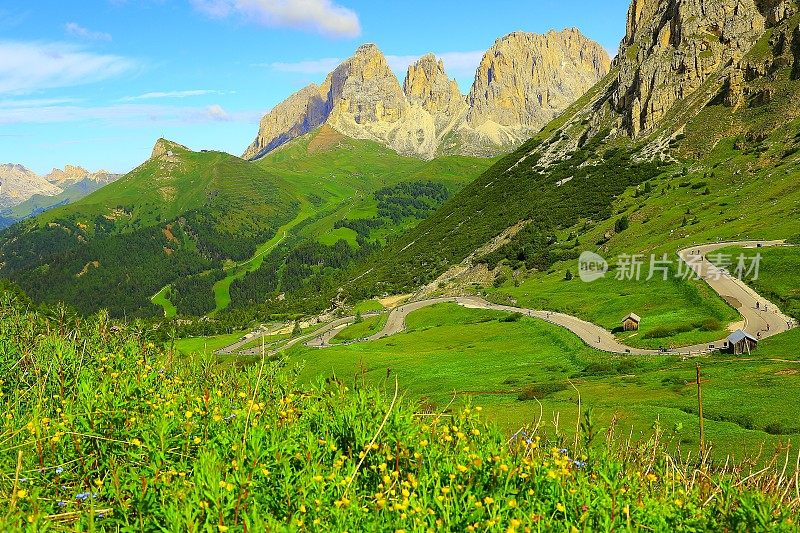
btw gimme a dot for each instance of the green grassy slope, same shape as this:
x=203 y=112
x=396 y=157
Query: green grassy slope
x=164 y=187
x=674 y=313
x=360 y=330
x=115 y=433
x=341 y=174
x=475 y=357
x=173 y=217
x=359 y=193
x=709 y=172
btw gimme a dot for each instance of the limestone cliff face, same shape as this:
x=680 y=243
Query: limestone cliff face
x=524 y=81
x=18 y=184
x=428 y=87
x=367 y=101
x=672 y=47
x=295 y=116
x=364 y=90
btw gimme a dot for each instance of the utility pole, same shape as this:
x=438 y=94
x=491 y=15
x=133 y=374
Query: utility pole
x=700 y=412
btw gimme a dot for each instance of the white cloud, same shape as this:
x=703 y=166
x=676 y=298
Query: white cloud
x=314 y=66
x=216 y=112
x=127 y=114
x=76 y=30
x=36 y=102
x=169 y=94
x=33 y=66
x=321 y=16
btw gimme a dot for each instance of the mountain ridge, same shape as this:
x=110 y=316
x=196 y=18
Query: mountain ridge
x=18 y=183
x=721 y=125
x=428 y=116
x=25 y=193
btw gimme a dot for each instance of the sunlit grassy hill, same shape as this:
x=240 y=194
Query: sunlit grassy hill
x=187 y=226
x=105 y=430
x=180 y=213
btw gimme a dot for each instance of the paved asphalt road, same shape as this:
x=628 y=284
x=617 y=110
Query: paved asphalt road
x=763 y=321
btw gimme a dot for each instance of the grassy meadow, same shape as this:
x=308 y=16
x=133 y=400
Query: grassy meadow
x=105 y=430
x=341 y=175
x=674 y=312
x=505 y=364
x=206 y=345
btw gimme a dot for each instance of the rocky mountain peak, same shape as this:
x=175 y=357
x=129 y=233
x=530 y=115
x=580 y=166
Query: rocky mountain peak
x=14 y=167
x=17 y=184
x=671 y=48
x=364 y=89
x=166 y=149
x=70 y=174
x=524 y=81
x=428 y=86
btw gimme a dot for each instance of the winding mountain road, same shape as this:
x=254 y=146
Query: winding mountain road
x=761 y=317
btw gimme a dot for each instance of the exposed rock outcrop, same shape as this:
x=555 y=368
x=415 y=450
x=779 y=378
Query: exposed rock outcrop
x=164 y=149
x=672 y=47
x=18 y=184
x=523 y=82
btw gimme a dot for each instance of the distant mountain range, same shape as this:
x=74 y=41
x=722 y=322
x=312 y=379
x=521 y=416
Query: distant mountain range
x=524 y=81
x=697 y=117
x=23 y=193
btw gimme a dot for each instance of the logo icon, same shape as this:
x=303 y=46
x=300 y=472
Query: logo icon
x=591 y=267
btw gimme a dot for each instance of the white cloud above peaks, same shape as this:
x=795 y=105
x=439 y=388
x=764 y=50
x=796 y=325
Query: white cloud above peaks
x=34 y=66
x=76 y=30
x=320 y=16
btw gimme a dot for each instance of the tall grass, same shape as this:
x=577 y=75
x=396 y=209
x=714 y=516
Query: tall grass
x=103 y=430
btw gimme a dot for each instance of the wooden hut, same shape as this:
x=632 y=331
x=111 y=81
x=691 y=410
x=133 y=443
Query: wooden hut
x=631 y=322
x=740 y=342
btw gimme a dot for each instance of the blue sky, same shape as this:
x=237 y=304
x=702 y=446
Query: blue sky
x=96 y=82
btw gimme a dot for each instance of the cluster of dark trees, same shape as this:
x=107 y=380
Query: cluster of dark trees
x=194 y=295
x=213 y=241
x=108 y=266
x=310 y=267
x=416 y=199
x=118 y=272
